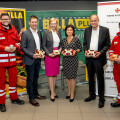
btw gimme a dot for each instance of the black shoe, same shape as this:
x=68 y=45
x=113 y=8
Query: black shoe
x=52 y=99
x=17 y=101
x=2 y=108
x=116 y=104
x=101 y=104
x=67 y=97
x=56 y=96
x=71 y=100
x=89 y=99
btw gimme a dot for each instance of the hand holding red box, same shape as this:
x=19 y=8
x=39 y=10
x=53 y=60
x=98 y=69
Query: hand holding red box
x=113 y=57
x=56 y=52
x=68 y=52
x=91 y=53
x=40 y=53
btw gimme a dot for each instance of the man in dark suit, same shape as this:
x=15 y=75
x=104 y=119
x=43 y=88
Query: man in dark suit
x=96 y=38
x=31 y=40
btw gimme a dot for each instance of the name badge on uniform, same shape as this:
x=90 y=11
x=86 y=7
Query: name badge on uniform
x=2 y=38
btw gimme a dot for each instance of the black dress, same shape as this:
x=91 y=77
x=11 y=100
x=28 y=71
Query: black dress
x=70 y=63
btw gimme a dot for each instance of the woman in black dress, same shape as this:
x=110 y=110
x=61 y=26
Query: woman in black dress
x=70 y=63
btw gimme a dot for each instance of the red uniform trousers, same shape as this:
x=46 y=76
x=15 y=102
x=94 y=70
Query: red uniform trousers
x=116 y=73
x=12 y=71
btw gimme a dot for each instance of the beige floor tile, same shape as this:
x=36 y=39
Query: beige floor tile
x=108 y=109
x=90 y=107
x=46 y=100
x=64 y=100
x=45 y=116
x=23 y=116
x=47 y=108
x=70 y=116
x=4 y=115
x=26 y=108
x=61 y=109
x=94 y=116
x=68 y=107
x=113 y=116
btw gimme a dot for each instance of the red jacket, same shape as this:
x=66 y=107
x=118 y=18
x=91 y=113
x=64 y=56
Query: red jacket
x=115 y=45
x=7 y=38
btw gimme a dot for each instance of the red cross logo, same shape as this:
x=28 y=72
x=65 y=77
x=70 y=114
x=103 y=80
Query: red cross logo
x=117 y=10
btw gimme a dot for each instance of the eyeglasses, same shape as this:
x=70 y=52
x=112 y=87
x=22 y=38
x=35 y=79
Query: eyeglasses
x=5 y=19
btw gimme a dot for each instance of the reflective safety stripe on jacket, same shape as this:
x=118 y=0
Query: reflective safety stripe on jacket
x=7 y=38
x=8 y=59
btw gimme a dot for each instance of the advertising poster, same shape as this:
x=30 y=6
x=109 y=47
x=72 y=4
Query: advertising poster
x=109 y=15
x=80 y=20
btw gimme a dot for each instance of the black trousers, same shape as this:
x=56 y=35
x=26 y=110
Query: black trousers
x=94 y=66
x=32 y=79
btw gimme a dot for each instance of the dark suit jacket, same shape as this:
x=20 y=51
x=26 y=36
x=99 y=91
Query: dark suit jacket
x=47 y=42
x=103 y=42
x=28 y=46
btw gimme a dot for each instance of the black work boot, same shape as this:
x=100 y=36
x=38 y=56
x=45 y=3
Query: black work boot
x=2 y=108
x=17 y=101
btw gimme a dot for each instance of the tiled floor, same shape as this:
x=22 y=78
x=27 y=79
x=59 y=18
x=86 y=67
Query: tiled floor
x=61 y=109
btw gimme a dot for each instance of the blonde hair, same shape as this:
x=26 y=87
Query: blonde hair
x=51 y=20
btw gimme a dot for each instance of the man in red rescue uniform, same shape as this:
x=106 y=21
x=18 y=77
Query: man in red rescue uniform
x=115 y=49
x=9 y=42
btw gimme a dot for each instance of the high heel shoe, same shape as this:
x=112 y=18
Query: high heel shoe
x=52 y=99
x=67 y=97
x=56 y=96
x=71 y=100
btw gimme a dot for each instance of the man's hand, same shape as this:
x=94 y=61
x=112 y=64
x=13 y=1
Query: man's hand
x=35 y=56
x=13 y=49
x=118 y=60
x=7 y=49
x=111 y=59
x=86 y=54
x=97 y=54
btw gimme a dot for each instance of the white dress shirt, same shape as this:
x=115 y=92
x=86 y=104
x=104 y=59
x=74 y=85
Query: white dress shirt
x=36 y=37
x=56 y=39
x=94 y=39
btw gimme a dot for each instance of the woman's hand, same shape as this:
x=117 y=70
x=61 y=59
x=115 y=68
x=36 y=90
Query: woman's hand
x=60 y=50
x=52 y=55
x=63 y=52
x=74 y=52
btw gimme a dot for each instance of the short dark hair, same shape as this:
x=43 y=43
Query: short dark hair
x=70 y=26
x=4 y=14
x=32 y=17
